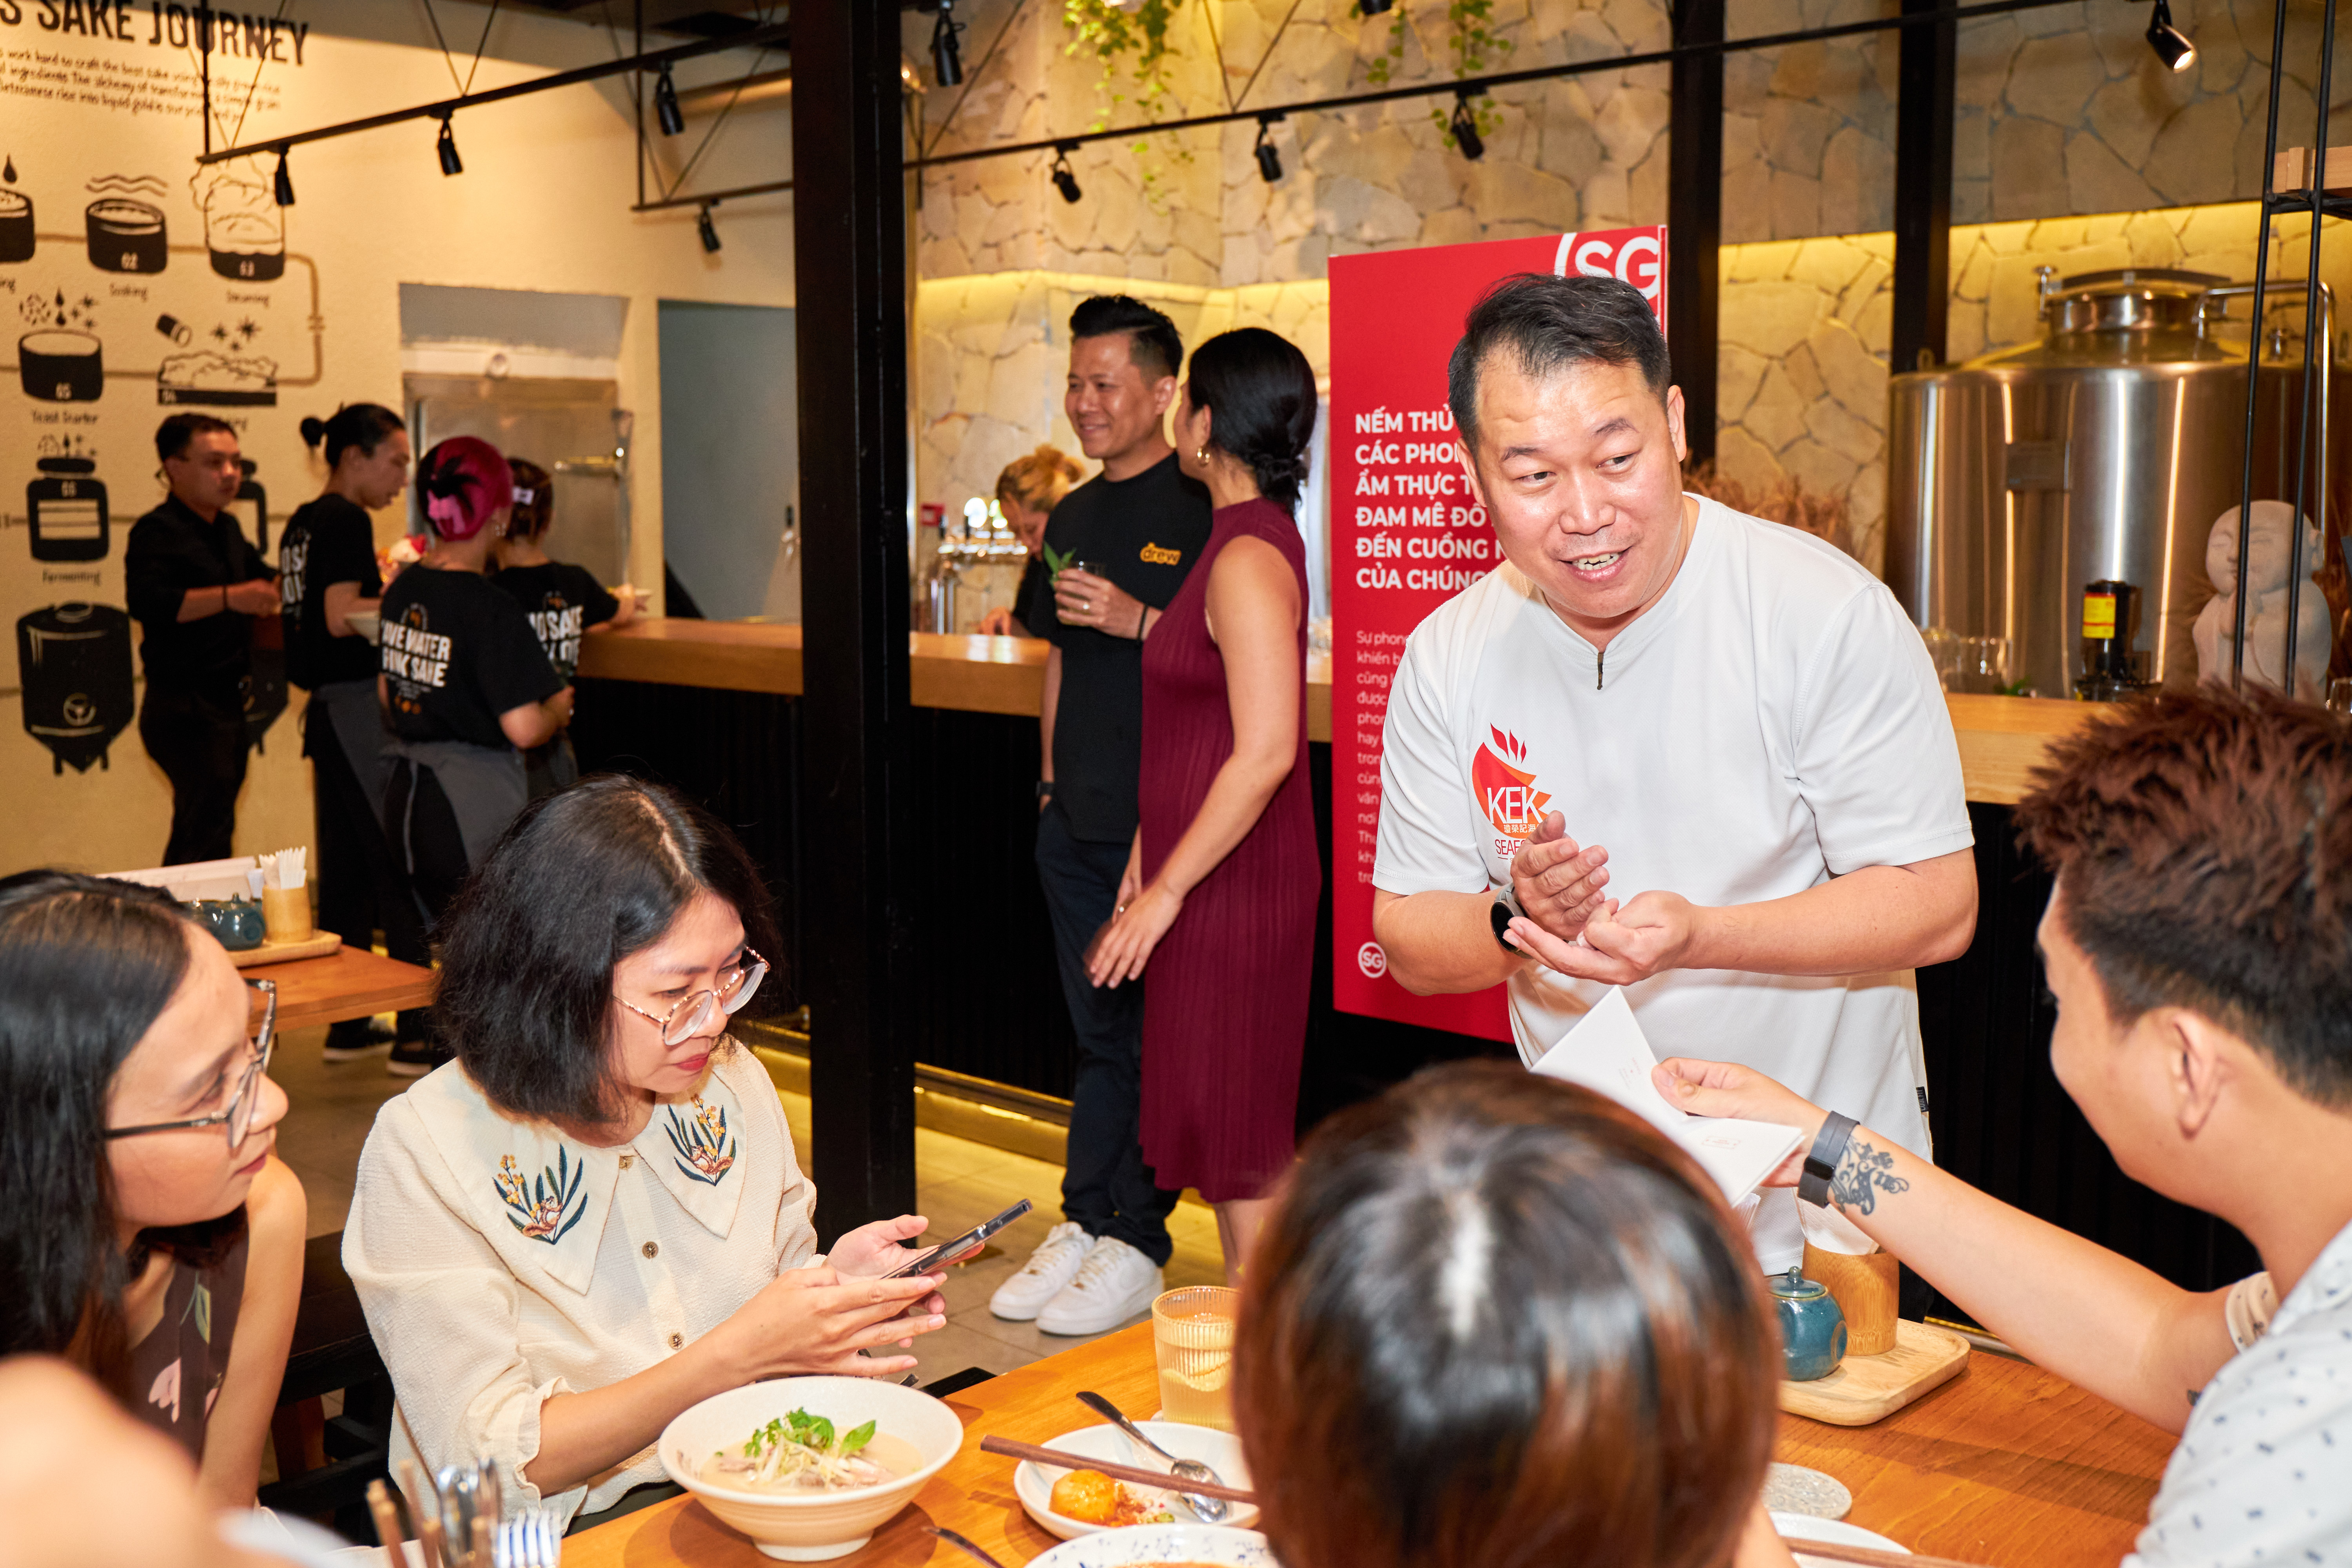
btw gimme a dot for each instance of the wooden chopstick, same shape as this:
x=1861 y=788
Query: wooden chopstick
x=1868 y=1556
x=1061 y=1460
x=387 y=1524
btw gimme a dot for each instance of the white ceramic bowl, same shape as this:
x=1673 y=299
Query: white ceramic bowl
x=1796 y=1527
x=1225 y=1546
x=1220 y=1451
x=827 y=1524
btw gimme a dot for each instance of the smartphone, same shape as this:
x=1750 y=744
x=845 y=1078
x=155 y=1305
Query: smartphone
x=923 y=1262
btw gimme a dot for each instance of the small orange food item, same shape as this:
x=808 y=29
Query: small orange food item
x=1087 y=1496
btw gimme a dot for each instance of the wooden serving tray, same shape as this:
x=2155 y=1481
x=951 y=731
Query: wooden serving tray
x=1870 y=1388
x=318 y=944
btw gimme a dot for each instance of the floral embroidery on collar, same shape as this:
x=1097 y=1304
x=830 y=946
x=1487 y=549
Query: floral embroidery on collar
x=705 y=1149
x=550 y=1204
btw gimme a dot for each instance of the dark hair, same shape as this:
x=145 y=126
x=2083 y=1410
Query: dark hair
x=2203 y=847
x=87 y=966
x=1548 y=324
x=1498 y=1321
x=578 y=882
x=360 y=424
x=1259 y=390
x=1154 y=344
x=534 y=512
x=179 y=431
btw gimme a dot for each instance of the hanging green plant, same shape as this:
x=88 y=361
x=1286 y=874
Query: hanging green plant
x=1471 y=40
x=1113 y=33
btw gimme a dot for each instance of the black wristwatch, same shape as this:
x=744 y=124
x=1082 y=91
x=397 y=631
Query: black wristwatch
x=1822 y=1160
x=1499 y=915
x=1044 y=789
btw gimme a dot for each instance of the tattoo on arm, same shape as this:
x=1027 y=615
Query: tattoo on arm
x=1862 y=1174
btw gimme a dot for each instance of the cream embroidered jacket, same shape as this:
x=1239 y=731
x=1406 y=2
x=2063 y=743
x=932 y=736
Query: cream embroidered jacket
x=502 y=1263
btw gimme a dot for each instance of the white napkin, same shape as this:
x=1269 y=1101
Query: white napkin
x=286 y=871
x=1830 y=1231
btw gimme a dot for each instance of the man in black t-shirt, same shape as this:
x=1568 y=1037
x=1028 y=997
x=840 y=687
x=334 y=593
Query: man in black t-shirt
x=1138 y=527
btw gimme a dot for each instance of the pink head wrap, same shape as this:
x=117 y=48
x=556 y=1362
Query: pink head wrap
x=463 y=482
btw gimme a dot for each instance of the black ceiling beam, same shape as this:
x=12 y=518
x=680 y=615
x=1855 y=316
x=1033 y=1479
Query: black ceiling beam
x=776 y=38
x=713 y=198
x=1493 y=80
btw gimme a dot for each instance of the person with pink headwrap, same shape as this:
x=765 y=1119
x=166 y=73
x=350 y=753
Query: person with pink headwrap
x=465 y=688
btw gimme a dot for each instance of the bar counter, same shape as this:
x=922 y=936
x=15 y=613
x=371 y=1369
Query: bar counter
x=2001 y=738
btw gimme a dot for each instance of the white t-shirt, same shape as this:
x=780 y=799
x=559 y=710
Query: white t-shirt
x=1772 y=721
x=2259 y=1474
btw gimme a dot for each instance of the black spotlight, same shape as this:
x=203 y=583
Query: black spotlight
x=947 y=55
x=666 y=114
x=284 y=183
x=1064 y=180
x=1269 y=156
x=707 y=229
x=2171 y=45
x=1374 y=7
x=1464 y=126
x=445 y=146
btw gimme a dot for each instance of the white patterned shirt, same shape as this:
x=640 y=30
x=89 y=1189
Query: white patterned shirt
x=502 y=1263
x=2263 y=1474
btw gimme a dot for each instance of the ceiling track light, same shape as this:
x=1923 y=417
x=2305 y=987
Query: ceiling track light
x=1373 y=7
x=947 y=54
x=1464 y=127
x=444 y=146
x=1269 y=157
x=283 y=184
x=707 y=229
x=1064 y=180
x=666 y=114
x=2171 y=45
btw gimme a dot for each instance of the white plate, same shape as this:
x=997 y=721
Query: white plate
x=1161 y=1543
x=1220 y=1451
x=1832 y=1532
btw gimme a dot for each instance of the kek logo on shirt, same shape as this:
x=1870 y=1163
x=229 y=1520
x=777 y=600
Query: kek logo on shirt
x=1507 y=791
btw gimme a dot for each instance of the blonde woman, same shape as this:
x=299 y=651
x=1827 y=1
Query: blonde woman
x=1028 y=490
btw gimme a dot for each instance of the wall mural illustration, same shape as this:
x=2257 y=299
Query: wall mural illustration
x=61 y=360
x=16 y=240
x=123 y=233
x=74 y=661
x=66 y=507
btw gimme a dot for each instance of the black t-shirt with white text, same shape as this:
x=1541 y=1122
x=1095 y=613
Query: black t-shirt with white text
x=562 y=601
x=326 y=542
x=456 y=653
x=1145 y=533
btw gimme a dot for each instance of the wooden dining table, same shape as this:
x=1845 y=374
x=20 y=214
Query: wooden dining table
x=2005 y=1465
x=349 y=983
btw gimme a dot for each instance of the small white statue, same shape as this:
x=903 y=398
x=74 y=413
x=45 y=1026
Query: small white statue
x=2266 y=603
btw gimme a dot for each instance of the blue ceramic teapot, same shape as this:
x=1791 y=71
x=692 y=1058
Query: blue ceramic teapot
x=1813 y=1328
x=237 y=922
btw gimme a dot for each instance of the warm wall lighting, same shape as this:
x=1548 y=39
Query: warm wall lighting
x=1464 y=126
x=445 y=148
x=666 y=114
x=947 y=55
x=284 y=183
x=1064 y=180
x=2171 y=45
x=1269 y=157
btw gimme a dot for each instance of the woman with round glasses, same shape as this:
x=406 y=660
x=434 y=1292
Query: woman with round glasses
x=593 y=1217
x=146 y=1232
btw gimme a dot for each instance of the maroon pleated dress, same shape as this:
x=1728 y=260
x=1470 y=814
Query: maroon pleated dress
x=1224 y=999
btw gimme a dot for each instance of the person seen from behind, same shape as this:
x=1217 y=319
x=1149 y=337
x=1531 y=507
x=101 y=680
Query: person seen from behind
x=564 y=602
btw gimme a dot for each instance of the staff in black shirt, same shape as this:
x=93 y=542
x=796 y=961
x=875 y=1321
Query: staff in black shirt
x=565 y=603
x=1142 y=523
x=326 y=575
x=194 y=582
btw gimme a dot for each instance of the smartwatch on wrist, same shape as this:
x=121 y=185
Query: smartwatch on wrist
x=1499 y=914
x=1822 y=1160
x=1044 y=789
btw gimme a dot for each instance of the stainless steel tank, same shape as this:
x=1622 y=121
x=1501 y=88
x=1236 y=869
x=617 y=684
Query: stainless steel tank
x=2102 y=452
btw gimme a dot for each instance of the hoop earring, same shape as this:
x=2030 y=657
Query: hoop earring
x=1201 y=456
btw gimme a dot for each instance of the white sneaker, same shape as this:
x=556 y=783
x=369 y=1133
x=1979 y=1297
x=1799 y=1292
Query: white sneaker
x=1040 y=1279
x=1112 y=1285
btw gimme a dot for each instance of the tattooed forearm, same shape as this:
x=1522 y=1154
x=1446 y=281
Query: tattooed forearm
x=1862 y=1174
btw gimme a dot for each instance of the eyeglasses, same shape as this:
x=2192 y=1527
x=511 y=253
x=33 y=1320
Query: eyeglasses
x=238 y=1117
x=693 y=1014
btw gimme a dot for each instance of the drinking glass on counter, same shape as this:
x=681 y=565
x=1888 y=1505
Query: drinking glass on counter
x=2339 y=696
x=1985 y=665
x=1192 y=1338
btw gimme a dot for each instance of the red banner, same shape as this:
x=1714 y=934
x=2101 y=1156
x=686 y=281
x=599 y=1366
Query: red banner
x=1406 y=536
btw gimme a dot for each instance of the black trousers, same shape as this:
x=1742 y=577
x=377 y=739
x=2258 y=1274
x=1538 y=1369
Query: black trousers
x=198 y=740
x=437 y=850
x=1106 y=1186
x=361 y=888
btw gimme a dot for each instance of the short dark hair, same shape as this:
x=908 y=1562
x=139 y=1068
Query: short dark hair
x=532 y=517
x=1259 y=390
x=578 y=882
x=1547 y=324
x=179 y=431
x=1496 y=1318
x=1154 y=344
x=360 y=424
x=2202 y=842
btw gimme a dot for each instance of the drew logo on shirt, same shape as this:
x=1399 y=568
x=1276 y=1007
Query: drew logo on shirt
x=1152 y=555
x=1506 y=792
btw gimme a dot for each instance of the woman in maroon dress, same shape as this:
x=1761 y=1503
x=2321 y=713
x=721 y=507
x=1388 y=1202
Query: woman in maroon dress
x=1219 y=892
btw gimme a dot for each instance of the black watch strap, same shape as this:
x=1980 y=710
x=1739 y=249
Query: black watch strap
x=1499 y=914
x=1044 y=789
x=1822 y=1160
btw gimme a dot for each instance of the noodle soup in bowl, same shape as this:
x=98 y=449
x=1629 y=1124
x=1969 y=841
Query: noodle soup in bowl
x=798 y=1501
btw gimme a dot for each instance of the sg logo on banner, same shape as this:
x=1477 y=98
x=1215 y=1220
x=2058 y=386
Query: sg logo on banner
x=1630 y=256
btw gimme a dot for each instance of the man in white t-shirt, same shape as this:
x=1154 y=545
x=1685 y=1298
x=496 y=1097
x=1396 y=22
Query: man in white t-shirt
x=1665 y=746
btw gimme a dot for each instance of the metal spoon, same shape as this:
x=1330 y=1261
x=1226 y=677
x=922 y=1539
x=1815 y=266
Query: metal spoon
x=1208 y=1509
x=952 y=1539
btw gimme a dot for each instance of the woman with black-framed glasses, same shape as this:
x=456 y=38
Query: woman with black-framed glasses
x=594 y=1217
x=147 y=1232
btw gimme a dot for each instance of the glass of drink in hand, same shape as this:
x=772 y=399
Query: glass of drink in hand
x=1192 y=1336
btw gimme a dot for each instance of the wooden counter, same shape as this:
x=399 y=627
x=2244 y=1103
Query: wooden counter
x=2001 y=738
